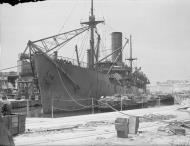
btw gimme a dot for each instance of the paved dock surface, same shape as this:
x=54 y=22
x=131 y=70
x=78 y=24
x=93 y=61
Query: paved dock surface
x=99 y=129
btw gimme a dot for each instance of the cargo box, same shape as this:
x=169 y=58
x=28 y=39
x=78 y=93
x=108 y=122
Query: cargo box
x=15 y=123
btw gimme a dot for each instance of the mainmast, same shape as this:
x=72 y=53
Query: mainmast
x=92 y=24
x=92 y=8
x=131 y=55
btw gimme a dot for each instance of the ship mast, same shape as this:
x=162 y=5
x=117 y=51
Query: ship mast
x=131 y=59
x=92 y=24
x=92 y=19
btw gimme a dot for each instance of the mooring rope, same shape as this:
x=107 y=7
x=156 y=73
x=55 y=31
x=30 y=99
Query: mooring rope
x=70 y=100
x=69 y=92
x=71 y=110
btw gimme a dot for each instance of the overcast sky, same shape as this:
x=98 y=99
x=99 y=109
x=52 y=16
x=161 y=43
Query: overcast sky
x=160 y=30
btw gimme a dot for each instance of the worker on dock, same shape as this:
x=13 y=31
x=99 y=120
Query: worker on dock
x=6 y=107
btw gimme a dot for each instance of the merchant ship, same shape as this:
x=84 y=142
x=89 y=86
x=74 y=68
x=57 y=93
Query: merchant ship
x=69 y=84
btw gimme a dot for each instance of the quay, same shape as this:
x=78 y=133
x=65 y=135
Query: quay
x=99 y=129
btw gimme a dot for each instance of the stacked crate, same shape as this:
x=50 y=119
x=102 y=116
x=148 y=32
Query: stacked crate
x=21 y=121
x=15 y=123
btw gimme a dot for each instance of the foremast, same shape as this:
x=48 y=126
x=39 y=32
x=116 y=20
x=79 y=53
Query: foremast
x=92 y=25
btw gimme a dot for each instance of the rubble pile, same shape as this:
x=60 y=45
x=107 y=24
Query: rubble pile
x=97 y=123
x=176 y=128
x=155 y=117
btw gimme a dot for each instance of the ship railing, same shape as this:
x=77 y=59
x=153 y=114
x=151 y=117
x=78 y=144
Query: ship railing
x=73 y=61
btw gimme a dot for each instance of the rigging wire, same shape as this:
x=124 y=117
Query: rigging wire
x=103 y=46
x=76 y=44
x=85 y=44
x=81 y=41
x=82 y=44
x=68 y=16
x=11 y=67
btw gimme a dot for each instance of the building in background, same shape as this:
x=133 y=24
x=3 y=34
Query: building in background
x=170 y=86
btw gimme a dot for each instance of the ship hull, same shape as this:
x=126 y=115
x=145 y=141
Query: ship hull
x=58 y=92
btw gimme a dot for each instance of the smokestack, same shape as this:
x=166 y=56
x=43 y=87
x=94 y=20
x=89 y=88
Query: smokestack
x=116 y=38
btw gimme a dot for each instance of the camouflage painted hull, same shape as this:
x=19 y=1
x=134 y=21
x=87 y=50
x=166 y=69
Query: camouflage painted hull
x=57 y=90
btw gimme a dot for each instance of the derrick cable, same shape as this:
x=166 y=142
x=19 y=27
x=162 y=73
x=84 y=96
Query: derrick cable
x=105 y=45
x=74 y=49
x=62 y=83
x=83 y=51
x=79 y=50
x=82 y=44
x=104 y=52
x=102 y=42
x=85 y=43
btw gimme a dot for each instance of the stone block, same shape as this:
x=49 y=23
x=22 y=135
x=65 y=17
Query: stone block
x=122 y=127
x=133 y=125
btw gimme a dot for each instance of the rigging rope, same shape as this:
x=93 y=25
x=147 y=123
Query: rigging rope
x=71 y=100
x=70 y=110
x=85 y=43
x=82 y=44
x=69 y=16
x=11 y=67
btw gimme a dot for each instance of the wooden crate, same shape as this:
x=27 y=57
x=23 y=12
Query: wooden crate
x=122 y=127
x=15 y=123
x=22 y=121
x=133 y=125
x=6 y=122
